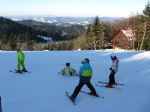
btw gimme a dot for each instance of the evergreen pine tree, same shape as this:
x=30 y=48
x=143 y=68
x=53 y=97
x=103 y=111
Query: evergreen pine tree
x=146 y=10
x=95 y=35
x=88 y=38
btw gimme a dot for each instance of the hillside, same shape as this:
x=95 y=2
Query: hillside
x=11 y=30
x=28 y=30
x=60 y=32
x=64 y=20
x=43 y=90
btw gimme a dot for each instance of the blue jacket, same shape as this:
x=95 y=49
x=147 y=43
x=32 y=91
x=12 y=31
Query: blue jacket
x=85 y=70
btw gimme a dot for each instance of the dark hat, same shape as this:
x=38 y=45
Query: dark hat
x=87 y=60
x=67 y=64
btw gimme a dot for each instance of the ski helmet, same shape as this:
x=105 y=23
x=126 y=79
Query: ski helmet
x=113 y=56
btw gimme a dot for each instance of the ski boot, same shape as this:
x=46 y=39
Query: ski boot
x=72 y=99
x=18 y=71
x=109 y=86
x=24 y=70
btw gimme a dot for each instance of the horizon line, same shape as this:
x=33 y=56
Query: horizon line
x=61 y=16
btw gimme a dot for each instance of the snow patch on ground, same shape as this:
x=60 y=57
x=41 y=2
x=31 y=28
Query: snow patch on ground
x=144 y=56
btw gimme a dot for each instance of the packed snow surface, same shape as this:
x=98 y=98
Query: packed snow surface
x=43 y=90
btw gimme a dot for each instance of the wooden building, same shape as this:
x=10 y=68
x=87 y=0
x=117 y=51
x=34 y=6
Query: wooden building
x=124 y=39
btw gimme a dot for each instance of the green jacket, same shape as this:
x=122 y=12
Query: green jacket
x=21 y=56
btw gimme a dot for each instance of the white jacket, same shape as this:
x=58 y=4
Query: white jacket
x=115 y=64
x=68 y=71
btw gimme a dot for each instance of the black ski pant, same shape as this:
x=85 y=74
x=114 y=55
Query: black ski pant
x=83 y=81
x=112 y=77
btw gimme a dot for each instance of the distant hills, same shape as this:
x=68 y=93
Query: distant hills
x=64 y=21
x=13 y=30
x=43 y=29
x=27 y=30
x=57 y=32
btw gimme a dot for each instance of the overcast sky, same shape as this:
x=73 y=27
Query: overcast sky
x=109 y=8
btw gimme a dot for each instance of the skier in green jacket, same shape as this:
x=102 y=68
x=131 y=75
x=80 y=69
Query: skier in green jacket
x=21 y=58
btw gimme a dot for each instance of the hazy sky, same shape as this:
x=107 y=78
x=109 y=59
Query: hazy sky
x=110 y=8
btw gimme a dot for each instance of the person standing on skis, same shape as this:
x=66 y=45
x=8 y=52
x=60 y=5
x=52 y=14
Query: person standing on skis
x=113 y=69
x=85 y=74
x=21 y=58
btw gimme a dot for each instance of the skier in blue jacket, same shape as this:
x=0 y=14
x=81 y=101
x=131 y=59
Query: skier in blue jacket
x=85 y=74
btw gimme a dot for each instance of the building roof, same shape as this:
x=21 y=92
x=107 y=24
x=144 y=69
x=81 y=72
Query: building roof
x=129 y=34
x=124 y=39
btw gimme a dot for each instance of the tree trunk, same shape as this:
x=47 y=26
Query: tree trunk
x=144 y=33
x=138 y=46
x=94 y=43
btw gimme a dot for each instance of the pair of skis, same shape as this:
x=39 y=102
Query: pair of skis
x=22 y=72
x=98 y=96
x=73 y=101
x=115 y=86
x=108 y=83
x=100 y=82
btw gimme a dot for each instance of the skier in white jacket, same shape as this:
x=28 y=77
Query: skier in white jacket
x=114 y=69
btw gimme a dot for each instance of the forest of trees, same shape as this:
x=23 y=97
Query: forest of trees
x=96 y=36
x=58 y=32
x=24 y=35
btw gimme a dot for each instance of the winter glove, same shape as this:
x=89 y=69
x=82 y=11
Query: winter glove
x=110 y=68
